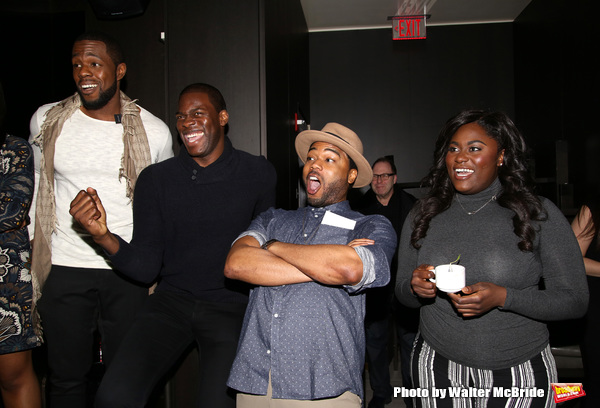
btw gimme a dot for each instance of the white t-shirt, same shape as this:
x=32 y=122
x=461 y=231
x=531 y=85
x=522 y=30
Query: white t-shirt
x=88 y=153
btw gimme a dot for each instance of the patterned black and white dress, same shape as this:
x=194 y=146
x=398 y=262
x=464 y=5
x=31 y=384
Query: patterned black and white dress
x=17 y=331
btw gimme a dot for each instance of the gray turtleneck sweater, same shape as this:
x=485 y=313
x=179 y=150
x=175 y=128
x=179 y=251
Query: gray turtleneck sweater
x=487 y=245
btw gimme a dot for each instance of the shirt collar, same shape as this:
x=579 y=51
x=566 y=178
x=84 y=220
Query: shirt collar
x=340 y=207
x=191 y=165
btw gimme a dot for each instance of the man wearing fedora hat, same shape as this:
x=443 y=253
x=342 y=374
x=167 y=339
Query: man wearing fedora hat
x=303 y=339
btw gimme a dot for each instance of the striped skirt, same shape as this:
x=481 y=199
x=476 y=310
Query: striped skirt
x=441 y=383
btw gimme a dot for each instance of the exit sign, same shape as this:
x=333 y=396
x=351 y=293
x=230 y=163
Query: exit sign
x=409 y=27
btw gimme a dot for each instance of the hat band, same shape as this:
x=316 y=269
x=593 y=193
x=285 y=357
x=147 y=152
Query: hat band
x=333 y=134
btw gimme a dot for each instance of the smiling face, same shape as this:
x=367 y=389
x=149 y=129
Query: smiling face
x=327 y=174
x=201 y=127
x=96 y=77
x=472 y=159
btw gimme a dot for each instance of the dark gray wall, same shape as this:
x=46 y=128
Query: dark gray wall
x=287 y=91
x=397 y=94
x=558 y=95
x=36 y=60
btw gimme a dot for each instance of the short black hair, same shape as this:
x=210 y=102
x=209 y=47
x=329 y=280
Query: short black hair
x=214 y=95
x=113 y=48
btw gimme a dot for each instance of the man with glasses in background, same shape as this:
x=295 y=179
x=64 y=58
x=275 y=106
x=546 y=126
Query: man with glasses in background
x=386 y=198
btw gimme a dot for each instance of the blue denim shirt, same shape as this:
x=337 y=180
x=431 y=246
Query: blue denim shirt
x=310 y=336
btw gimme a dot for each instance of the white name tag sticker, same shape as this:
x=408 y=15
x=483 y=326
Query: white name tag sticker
x=338 y=221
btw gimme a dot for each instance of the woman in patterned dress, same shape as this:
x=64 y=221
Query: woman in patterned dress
x=18 y=381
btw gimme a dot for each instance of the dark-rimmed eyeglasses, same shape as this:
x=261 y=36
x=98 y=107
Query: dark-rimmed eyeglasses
x=384 y=176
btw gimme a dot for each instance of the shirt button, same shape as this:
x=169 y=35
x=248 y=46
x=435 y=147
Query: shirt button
x=276 y=315
x=268 y=351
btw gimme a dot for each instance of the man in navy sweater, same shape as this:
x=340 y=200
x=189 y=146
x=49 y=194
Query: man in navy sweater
x=187 y=212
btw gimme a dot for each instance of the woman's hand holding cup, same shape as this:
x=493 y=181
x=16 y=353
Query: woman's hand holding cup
x=420 y=283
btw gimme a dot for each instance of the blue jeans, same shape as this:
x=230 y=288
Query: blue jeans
x=165 y=327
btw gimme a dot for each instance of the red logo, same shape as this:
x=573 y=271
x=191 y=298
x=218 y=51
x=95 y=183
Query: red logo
x=567 y=391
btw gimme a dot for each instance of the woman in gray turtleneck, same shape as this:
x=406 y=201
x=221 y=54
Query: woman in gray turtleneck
x=523 y=267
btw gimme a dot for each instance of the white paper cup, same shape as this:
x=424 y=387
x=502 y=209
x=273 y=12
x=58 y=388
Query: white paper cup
x=449 y=278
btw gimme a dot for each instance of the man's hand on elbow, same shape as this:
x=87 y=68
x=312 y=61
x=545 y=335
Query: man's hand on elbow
x=360 y=242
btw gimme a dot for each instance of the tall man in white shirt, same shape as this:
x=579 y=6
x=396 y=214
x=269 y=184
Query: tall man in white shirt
x=101 y=137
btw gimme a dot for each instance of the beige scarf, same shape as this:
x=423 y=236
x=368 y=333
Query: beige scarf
x=136 y=156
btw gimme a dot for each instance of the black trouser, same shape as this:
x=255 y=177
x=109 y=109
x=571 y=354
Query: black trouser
x=75 y=302
x=165 y=327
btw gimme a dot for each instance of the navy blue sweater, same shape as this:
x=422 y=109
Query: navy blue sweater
x=186 y=216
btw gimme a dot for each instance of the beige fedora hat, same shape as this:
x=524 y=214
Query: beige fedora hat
x=343 y=138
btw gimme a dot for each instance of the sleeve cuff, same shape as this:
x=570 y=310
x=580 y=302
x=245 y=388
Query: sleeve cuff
x=368 y=276
x=508 y=300
x=261 y=238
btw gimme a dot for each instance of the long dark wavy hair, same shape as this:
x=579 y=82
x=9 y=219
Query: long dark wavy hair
x=517 y=183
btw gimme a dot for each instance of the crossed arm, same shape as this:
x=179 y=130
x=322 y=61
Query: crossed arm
x=283 y=263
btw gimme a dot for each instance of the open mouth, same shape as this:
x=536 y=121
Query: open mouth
x=313 y=184
x=88 y=88
x=192 y=137
x=463 y=172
